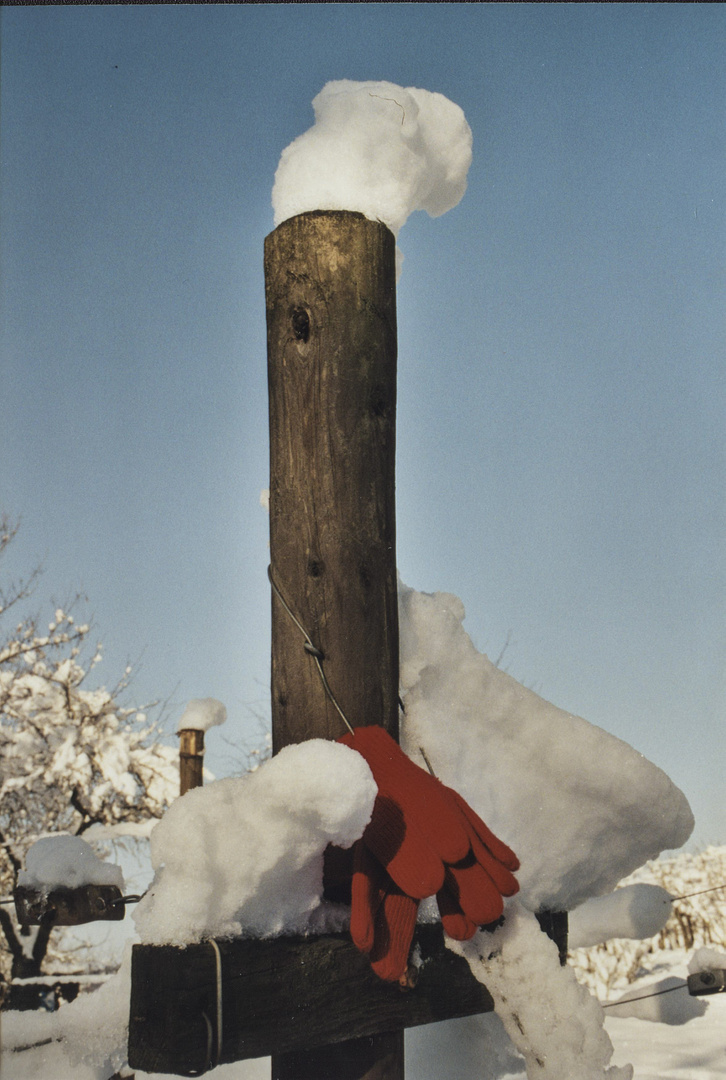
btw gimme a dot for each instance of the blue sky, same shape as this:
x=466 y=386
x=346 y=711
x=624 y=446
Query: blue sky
x=561 y=450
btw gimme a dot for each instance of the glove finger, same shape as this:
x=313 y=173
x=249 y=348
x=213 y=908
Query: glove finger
x=505 y=881
x=455 y=922
x=368 y=887
x=475 y=892
x=497 y=847
x=395 y=924
x=423 y=799
x=403 y=850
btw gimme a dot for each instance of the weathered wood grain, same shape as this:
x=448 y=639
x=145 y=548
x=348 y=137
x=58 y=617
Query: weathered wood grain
x=331 y=347
x=331 y=342
x=283 y=996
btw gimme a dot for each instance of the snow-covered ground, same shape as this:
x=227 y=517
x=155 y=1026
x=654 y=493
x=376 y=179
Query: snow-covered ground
x=695 y=1051
x=475 y=1048
x=456 y=1050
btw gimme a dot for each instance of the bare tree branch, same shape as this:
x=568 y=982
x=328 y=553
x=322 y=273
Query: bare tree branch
x=14 y=944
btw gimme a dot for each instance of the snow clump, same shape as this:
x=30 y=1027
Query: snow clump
x=636 y=911
x=580 y=808
x=707 y=959
x=63 y=861
x=201 y=714
x=553 y=1021
x=86 y=1039
x=377 y=148
x=245 y=855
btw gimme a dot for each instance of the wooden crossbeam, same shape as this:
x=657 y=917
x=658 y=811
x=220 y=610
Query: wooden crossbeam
x=199 y=1006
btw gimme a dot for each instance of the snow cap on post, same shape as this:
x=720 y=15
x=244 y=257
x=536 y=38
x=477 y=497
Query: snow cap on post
x=377 y=148
x=201 y=714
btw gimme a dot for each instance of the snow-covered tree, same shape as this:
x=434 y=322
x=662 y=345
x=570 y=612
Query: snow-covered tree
x=70 y=756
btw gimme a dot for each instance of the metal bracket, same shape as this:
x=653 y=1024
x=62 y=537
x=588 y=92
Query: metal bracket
x=712 y=981
x=69 y=907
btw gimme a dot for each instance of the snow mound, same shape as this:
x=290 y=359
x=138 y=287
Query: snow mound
x=707 y=960
x=377 y=148
x=65 y=861
x=580 y=807
x=245 y=855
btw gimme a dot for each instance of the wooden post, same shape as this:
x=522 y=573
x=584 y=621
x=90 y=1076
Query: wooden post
x=191 y=759
x=331 y=318
x=331 y=334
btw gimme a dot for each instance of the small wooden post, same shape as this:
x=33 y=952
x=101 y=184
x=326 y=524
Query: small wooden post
x=331 y=323
x=191 y=759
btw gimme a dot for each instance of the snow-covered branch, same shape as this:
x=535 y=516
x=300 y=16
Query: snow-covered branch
x=71 y=756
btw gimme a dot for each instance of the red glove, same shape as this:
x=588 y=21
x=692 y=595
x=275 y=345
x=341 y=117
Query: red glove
x=382 y=917
x=423 y=839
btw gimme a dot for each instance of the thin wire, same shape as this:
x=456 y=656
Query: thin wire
x=35 y=1045
x=428 y=763
x=656 y=993
x=699 y=893
x=131 y=899
x=208 y=1022
x=218 y=961
x=311 y=649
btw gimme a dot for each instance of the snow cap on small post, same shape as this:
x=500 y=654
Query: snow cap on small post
x=199 y=715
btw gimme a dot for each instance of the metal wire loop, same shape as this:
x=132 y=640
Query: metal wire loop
x=312 y=650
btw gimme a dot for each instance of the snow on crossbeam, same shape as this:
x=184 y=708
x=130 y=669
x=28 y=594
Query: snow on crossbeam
x=65 y=883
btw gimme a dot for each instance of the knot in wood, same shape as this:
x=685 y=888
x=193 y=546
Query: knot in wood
x=301 y=324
